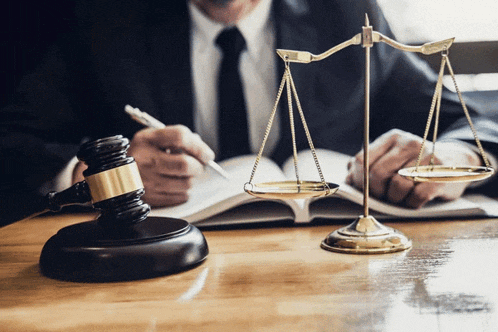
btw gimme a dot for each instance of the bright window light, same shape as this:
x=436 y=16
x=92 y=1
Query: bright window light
x=477 y=82
x=431 y=20
x=421 y=21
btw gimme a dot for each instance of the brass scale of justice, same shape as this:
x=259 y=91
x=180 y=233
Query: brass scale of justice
x=365 y=235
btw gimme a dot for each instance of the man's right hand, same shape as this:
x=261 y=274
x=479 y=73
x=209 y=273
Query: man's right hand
x=168 y=160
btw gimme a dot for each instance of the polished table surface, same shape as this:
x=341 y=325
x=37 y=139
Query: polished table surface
x=268 y=279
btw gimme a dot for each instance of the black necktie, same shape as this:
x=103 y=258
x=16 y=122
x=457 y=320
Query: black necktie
x=233 y=135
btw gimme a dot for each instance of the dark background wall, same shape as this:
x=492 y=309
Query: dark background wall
x=27 y=28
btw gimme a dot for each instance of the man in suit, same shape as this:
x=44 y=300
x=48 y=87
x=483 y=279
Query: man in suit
x=162 y=57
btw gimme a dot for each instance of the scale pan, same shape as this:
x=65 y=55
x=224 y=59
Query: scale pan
x=439 y=173
x=290 y=189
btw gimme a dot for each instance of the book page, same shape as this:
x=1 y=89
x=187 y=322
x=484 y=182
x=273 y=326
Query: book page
x=211 y=193
x=254 y=211
x=333 y=165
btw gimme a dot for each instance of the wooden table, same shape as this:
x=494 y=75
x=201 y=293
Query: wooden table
x=275 y=279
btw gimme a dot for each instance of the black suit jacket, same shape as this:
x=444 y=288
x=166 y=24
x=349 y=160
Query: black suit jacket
x=138 y=52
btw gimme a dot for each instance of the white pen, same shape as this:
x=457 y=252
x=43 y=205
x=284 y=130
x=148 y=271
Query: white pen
x=149 y=121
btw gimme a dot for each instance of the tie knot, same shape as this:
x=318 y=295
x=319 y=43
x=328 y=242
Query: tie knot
x=231 y=41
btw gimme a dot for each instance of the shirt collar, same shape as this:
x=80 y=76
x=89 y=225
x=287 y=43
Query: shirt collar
x=250 y=26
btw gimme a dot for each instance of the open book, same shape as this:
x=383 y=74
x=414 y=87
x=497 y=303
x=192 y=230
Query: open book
x=217 y=201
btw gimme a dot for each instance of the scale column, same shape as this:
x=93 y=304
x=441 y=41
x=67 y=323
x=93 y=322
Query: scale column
x=366 y=235
x=366 y=43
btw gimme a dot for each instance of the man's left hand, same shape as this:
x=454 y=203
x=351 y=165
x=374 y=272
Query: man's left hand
x=397 y=149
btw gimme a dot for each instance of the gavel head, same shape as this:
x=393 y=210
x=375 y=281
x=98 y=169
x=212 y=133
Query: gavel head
x=114 y=181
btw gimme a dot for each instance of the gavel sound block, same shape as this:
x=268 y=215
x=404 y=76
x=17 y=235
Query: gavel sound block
x=122 y=243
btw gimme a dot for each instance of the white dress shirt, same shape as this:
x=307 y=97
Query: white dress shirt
x=257 y=68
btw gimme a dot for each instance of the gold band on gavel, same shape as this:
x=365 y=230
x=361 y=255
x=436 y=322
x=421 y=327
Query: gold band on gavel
x=114 y=182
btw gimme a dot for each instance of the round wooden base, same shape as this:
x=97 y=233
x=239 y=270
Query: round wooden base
x=154 y=247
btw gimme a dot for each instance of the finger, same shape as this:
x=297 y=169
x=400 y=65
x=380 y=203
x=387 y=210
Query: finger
x=377 y=150
x=355 y=175
x=153 y=160
x=399 y=187
x=381 y=146
x=386 y=168
x=404 y=150
x=145 y=156
x=167 y=184
x=163 y=191
x=180 y=138
x=427 y=191
x=177 y=165
x=423 y=193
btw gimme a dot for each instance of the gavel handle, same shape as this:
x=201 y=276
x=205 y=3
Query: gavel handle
x=78 y=193
x=22 y=206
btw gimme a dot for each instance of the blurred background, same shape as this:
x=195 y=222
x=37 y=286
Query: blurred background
x=28 y=27
x=473 y=23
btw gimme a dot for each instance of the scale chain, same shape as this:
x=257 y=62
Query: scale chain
x=435 y=99
x=308 y=136
x=436 y=104
x=436 y=122
x=268 y=127
x=288 y=78
x=467 y=115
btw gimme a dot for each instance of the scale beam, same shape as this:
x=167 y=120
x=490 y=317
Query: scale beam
x=427 y=48
x=307 y=57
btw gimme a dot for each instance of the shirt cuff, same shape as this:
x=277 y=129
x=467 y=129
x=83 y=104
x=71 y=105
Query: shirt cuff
x=63 y=180
x=493 y=162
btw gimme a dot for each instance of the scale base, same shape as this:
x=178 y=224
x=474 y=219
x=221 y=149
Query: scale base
x=366 y=236
x=154 y=247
